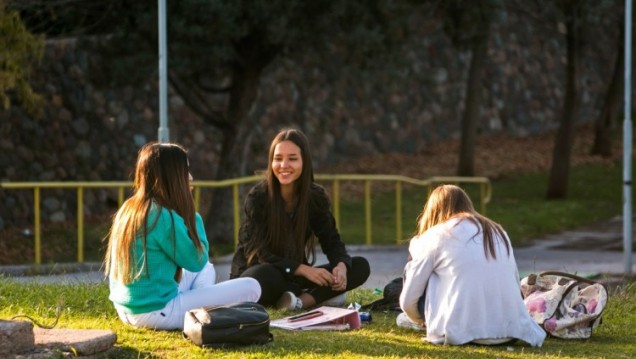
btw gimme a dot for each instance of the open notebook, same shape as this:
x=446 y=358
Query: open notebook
x=323 y=318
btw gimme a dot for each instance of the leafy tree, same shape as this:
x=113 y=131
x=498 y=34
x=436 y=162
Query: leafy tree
x=21 y=51
x=218 y=51
x=65 y=18
x=606 y=124
x=468 y=24
x=576 y=17
x=560 y=169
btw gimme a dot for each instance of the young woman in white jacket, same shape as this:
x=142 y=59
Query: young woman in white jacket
x=461 y=284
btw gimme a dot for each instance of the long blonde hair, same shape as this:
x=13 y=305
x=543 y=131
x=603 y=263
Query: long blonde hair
x=162 y=179
x=450 y=201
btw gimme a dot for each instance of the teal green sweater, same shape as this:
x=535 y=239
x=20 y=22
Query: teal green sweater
x=156 y=285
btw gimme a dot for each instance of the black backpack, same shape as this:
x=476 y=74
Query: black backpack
x=390 y=297
x=229 y=325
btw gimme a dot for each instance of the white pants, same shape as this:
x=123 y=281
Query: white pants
x=404 y=321
x=196 y=289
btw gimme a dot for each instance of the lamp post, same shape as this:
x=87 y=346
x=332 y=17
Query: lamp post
x=163 y=132
x=627 y=144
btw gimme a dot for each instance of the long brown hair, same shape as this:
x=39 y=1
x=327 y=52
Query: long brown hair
x=286 y=236
x=448 y=201
x=162 y=178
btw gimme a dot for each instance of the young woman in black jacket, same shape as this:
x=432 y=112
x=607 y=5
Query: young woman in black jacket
x=284 y=216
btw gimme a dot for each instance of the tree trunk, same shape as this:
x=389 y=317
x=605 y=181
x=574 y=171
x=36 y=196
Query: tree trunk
x=474 y=90
x=559 y=173
x=236 y=136
x=606 y=123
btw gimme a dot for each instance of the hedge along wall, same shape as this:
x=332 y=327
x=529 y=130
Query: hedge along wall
x=92 y=133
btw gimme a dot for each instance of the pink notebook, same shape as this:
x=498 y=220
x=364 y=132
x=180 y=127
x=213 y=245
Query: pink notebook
x=323 y=318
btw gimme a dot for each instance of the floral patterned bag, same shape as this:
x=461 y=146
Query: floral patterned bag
x=565 y=305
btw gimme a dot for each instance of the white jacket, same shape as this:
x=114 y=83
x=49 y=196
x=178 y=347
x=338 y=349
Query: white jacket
x=468 y=297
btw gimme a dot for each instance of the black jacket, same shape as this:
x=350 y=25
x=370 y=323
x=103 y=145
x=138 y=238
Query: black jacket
x=321 y=223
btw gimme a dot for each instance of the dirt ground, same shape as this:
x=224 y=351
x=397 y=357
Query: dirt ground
x=496 y=155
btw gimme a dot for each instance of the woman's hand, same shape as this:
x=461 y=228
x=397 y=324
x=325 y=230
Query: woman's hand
x=319 y=276
x=339 y=273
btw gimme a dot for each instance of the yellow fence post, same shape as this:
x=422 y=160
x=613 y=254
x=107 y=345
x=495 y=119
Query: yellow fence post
x=367 y=211
x=485 y=190
x=120 y=196
x=36 y=214
x=197 y=198
x=398 y=212
x=336 y=202
x=237 y=219
x=80 y=224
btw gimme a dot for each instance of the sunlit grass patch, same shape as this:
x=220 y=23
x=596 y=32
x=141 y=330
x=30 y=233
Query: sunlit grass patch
x=87 y=306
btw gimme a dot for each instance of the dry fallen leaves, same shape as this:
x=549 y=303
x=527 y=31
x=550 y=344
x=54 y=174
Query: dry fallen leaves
x=496 y=155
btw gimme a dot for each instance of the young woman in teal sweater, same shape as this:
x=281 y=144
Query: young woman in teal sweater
x=157 y=256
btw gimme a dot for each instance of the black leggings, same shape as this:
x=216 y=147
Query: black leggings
x=274 y=282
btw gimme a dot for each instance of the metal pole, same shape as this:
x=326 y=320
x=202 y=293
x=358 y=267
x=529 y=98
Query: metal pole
x=164 y=132
x=627 y=143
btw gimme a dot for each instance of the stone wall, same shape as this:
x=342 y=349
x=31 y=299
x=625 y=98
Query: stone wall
x=92 y=133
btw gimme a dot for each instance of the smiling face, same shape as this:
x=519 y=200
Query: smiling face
x=287 y=163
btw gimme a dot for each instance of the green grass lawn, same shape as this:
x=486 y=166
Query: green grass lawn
x=87 y=306
x=595 y=194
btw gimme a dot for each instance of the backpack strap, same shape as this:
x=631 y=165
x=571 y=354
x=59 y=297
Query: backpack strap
x=573 y=276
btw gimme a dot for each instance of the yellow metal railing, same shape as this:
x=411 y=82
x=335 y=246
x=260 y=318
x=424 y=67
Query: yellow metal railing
x=336 y=179
x=485 y=192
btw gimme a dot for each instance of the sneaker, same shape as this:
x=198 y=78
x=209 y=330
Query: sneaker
x=337 y=301
x=289 y=301
x=403 y=321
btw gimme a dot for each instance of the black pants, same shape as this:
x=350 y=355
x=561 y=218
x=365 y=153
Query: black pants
x=274 y=282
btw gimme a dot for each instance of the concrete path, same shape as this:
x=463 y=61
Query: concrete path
x=596 y=249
